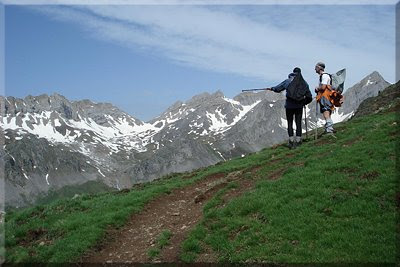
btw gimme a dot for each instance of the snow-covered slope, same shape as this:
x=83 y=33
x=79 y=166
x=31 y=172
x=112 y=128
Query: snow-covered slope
x=76 y=124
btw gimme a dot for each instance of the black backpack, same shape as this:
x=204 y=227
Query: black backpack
x=299 y=91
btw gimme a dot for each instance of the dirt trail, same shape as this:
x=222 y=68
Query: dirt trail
x=177 y=212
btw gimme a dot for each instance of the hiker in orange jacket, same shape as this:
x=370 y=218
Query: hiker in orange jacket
x=324 y=96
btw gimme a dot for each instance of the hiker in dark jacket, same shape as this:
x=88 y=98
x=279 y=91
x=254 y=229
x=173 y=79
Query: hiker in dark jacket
x=293 y=109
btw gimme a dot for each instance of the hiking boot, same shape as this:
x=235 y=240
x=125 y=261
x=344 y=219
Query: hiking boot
x=291 y=145
x=298 y=141
x=330 y=134
x=294 y=145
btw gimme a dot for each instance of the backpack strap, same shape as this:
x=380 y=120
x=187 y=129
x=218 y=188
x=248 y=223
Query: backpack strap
x=330 y=76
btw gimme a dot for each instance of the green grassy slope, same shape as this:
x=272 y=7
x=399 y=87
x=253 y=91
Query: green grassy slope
x=334 y=201
x=331 y=200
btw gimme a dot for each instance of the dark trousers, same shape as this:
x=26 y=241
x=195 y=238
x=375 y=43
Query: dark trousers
x=297 y=113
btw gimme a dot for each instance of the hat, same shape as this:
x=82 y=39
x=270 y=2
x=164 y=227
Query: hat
x=321 y=65
x=297 y=70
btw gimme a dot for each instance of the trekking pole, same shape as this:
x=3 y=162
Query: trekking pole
x=259 y=89
x=316 y=119
x=305 y=118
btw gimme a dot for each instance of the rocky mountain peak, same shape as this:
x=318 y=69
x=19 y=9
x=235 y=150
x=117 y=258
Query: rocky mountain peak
x=175 y=106
x=371 y=79
x=218 y=94
x=58 y=97
x=205 y=97
x=377 y=77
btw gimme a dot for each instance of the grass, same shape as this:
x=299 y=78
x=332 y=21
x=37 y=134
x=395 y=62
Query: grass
x=334 y=202
x=69 y=191
x=327 y=201
x=162 y=241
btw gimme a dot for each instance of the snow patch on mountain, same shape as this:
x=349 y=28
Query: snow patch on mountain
x=369 y=82
x=338 y=116
x=218 y=120
x=233 y=102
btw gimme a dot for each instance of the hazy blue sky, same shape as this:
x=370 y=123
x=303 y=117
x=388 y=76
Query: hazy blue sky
x=144 y=58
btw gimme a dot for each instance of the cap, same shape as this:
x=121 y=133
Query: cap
x=297 y=70
x=321 y=65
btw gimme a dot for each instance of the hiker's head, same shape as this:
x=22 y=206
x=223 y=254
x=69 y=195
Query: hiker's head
x=320 y=66
x=297 y=70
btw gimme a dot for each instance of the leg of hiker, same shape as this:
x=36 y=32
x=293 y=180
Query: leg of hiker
x=289 y=118
x=329 y=122
x=326 y=110
x=298 y=117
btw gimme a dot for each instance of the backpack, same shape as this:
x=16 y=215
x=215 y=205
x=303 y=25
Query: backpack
x=299 y=91
x=337 y=80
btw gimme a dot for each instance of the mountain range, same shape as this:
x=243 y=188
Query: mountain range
x=52 y=143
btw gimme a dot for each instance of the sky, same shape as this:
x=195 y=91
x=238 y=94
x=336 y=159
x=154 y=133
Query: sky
x=144 y=58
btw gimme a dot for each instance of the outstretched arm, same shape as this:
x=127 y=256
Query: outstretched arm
x=280 y=87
